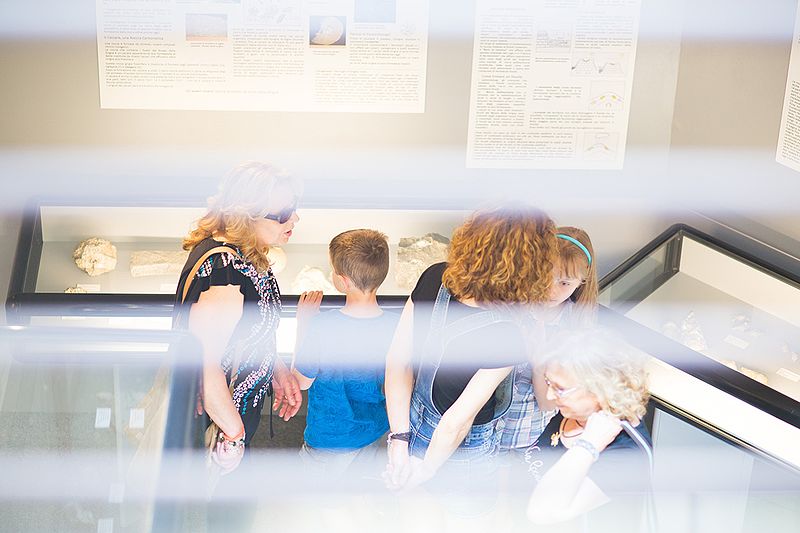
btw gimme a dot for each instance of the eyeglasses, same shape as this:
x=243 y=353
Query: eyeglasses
x=559 y=391
x=283 y=216
x=569 y=281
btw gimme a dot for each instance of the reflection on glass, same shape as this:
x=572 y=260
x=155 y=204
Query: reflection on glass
x=719 y=305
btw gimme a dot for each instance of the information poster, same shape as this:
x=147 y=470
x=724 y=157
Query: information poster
x=789 y=136
x=268 y=55
x=551 y=83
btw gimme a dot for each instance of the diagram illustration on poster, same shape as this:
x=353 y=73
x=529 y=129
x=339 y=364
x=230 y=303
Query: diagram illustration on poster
x=551 y=82
x=263 y=55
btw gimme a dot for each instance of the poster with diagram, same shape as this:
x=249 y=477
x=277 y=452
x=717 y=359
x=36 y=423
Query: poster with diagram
x=788 y=152
x=551 y=83
x=263 y=55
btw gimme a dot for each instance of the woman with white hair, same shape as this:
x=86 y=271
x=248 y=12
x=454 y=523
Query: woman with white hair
x=583 y=456
x=229 y=299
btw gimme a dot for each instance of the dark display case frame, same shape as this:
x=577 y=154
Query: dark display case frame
x=676 y=354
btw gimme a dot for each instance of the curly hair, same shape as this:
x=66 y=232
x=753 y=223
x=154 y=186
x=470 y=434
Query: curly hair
x=242 y=199
x=574 y=264
x=606 y=366
x=502 y=256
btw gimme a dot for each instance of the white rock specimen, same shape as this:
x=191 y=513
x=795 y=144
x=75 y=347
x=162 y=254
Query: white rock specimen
x=671 y=330
x=743 y=324
x=75 y=290
x=312 y=279
x=96 y=256
x=688 y=333
x=415 y=254
x=691 y=334
x=740 y=322
x=789 y=353
x=752 y=374
x=277 y=259
x=157 y=263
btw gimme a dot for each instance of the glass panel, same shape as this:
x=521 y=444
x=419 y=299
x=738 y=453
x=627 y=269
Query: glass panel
x=305 y=266
x=705 y=483
x=719 y=306
x=130 y=230
x=84 y=425
x=117 y=322
x=639 y=281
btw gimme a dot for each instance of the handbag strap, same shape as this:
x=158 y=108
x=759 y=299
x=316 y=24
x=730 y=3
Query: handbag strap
x=199 y=263
x=192 y=273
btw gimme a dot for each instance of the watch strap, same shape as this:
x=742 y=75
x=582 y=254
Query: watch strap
x=404 y=436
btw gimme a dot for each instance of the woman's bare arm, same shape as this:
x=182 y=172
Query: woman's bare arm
x=212 y=320
x=398 y=387
x=565 y=490
x=456 y=422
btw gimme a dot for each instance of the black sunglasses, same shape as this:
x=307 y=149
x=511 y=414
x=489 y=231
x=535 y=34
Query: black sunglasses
x=282 y=216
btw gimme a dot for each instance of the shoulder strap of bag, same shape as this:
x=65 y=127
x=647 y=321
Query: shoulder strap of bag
x=237 y=358
x=199 y=263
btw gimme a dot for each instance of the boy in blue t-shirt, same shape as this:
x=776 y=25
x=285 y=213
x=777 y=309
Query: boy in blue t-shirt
x=340 y=358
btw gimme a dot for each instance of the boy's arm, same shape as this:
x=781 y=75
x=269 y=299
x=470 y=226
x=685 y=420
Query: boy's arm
x=305 y=348
x=307 y=306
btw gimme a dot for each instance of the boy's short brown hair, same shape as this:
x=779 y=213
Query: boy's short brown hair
x=362 y=255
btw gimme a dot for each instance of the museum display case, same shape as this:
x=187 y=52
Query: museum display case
x=722 y=329
x=132 y=284
x=719 y=324
x=89 y=416
x=735 y=311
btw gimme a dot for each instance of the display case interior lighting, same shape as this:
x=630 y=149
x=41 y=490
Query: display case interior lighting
x=747 y=423
x=134 y=230
x=122 y=348
x=159 y=323
x=117 y=223
x=287 y=331
x=740 y=280
x=316 y=226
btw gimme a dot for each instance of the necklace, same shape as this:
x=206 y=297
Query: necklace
x=561 y=436
x=573 y=432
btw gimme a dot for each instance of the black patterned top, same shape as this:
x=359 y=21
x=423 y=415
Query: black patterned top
x=254 y=337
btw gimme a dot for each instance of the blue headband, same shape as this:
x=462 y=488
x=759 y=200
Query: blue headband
x=577 y=243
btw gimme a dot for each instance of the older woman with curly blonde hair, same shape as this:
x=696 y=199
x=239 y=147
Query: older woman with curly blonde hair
x=228 y=297
x=599 y=384
x=460 y=330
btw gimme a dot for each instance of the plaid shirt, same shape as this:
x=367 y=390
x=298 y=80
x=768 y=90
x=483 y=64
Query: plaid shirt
x=524 y=421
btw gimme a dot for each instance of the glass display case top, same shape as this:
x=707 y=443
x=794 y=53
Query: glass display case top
x=87 y=411
x=717 y=303
x=137 y=249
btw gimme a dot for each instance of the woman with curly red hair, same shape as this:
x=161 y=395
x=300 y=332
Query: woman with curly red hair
x=460 y=332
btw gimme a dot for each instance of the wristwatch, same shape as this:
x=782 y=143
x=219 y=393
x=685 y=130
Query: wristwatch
x=404 y=436
x=588 y=446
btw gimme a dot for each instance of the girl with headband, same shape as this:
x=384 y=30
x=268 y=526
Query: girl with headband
x=572 y=302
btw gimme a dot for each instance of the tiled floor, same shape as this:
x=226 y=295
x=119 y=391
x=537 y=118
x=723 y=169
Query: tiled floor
x=287 y=434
